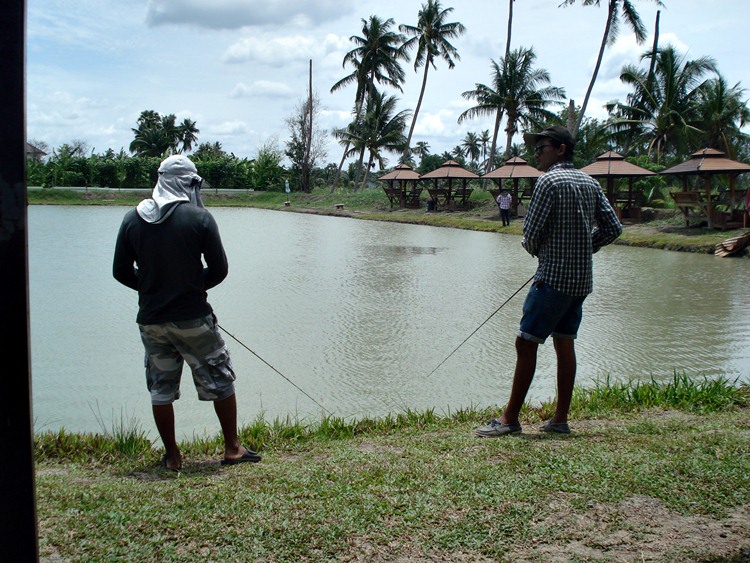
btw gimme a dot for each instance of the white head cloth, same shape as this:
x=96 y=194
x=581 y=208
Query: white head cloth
x=178 y=181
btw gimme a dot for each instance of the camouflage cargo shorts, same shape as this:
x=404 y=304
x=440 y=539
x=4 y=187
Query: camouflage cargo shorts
x=197 y=342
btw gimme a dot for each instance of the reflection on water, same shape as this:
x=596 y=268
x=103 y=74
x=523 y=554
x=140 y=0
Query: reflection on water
x=357 y=313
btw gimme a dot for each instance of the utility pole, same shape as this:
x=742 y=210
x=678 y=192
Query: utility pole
x=18 y=526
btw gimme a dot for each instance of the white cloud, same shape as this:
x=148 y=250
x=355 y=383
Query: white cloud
x=262 y=88
x=229 y=128
x=273 y=52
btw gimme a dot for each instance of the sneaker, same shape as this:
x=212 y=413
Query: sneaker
x=558 y=427
x=496 y=428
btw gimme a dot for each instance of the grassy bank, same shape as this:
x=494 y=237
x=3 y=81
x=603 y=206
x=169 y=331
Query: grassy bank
x=665 y=230
x=651 y=472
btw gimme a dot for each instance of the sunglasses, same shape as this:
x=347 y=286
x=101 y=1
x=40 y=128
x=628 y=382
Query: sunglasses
x=540 y=148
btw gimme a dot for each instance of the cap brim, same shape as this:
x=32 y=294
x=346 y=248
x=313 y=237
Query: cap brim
x=532 y=138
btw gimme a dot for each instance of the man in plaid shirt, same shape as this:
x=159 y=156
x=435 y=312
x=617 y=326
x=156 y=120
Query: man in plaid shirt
x=569 y=219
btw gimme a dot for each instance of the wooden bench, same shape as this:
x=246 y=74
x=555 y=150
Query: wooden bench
x=339 y=206
x=441 y=196
x=411 y=198
x=628 y=206
x=394 y=195
x=691 y=204
x=461 y=196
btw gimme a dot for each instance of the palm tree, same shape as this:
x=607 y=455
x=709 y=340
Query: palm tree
x=431 y=37
x=660 y=112
x=616 y=9
x=471 y=146
x=188 y=134
x=379 y=128
x=150 y=142
x=169 y=127
x=422 y=149
x=490 y=101
x=375 y=59
x=385 y=129
x=519 y=91
x=721 y=114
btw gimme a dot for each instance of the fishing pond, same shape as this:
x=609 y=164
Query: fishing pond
x=356 y=314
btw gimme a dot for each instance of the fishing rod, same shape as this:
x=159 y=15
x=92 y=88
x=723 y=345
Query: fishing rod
x=274 y=369
x=481 y=325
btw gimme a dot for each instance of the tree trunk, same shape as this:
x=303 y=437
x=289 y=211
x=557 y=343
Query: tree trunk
x=359 y=169
x=307 y=140
x=306 y=164
x=510 y=27
x=605 y=37
x=571 y=115
x=419 y=104
x=654 y=50
x=493 y=146
x=367 y=172
x=341 y=166
x=510 y=130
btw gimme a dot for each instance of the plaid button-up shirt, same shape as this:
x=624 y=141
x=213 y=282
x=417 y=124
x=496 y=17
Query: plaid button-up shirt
x=569 y=219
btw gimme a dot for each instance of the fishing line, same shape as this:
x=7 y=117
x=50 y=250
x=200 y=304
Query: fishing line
x=274 y=369
x=481 y=325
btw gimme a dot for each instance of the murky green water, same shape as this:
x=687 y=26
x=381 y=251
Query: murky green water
x=358 y=313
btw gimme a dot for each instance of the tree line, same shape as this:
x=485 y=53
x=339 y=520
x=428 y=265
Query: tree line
x=675 y=106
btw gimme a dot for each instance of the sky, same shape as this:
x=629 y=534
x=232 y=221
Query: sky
x=238 y=68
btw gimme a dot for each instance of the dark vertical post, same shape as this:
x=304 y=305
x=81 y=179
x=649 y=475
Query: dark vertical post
x=18 y=527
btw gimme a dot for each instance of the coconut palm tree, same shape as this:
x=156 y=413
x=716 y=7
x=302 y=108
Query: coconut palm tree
x=660 y=112
x=187 y=133
x=721 y=114
x=385 y=129
x=431 y=38
x=379 y=128
x=616 y=10
x=519 y=91
x=422 y=149
x=471 y=146
x=152 y=141
x=375 y=59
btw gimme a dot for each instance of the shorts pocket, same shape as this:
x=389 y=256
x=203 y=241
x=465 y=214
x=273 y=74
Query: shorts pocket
x=220 y=365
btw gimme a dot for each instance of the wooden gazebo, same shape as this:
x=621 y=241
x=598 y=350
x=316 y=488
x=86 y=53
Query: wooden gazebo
x=513 y=169
x=611 y=165
x=442 y=178
x=708 y=163
x=403 y=186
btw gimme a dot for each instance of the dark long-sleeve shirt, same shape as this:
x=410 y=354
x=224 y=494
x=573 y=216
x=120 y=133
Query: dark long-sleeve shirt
x=569 y=219
x=164 y=263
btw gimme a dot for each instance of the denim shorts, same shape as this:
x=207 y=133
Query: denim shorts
x=547 y=312
x=197 y=342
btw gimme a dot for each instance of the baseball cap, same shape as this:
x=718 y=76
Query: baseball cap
x=178 y=165
x=557 y=133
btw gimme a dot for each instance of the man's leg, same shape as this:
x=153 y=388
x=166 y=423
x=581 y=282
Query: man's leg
x=164 y=419
x=226 y=410
x=566 y=376
x=524 y=373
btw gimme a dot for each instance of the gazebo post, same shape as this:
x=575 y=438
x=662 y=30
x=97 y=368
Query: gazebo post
x=709 y=203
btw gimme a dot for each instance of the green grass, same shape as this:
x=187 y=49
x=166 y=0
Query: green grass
x=412 y=485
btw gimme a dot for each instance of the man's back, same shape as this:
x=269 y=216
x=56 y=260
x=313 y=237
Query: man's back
x=170 y=278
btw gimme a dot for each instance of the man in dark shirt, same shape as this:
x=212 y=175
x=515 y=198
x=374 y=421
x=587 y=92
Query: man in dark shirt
x=569 y=219
x=159 y=253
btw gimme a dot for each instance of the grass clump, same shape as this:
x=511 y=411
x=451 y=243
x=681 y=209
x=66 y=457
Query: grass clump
x=705 y=395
